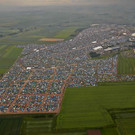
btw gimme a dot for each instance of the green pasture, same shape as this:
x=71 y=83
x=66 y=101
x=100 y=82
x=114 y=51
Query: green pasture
x=35 y=126
x=66 y=33
x=126 y=122
x=86 y=107
x=41 y=126
x=8 y=55
x=126 y=65
x=109 y=131
x=10 y=126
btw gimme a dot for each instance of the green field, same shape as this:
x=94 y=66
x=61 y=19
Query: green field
x=87 y=107
x=10 y=126
x=109 y=131
x=126 y=126
x=28 y=25
x=126 y=122
x=66 y=33
x=41 y=126
x=32 y=126
x=126 y=65
x=35 y=124
x=8 y=55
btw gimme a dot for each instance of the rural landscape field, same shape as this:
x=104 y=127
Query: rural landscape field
x=67 y=68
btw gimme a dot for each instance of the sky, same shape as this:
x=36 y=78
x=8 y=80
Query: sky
x=63 y=2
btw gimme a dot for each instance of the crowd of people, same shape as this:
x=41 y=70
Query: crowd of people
x=37 y=80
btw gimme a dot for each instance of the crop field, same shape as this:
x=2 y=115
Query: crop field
x=32 y=125
x=126 y=123
x=126 y=65
x=126 y=126
x=86 y=107
x=66 y=33
x=40 y=126
x=37 y=126
x=8 y=55
x=109 y=131
x=26 y=26
x=10 y=126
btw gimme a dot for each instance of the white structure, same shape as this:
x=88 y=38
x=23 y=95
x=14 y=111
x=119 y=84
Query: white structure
x=94 y=42
x=124 y=34
x=94 y=24
x=36 y=50
x=108 y=49
x=74 y=48
x=28 y=68
x=133 y=35
x=98 y=48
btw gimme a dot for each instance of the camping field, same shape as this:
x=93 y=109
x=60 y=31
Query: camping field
x=8 y=55
x=126 y=65
x=86 y=107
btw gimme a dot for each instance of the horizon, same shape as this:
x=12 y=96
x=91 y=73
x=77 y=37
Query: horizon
x=17 y=3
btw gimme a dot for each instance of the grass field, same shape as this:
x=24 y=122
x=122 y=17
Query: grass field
x=28 y=25
x=8 y=55
x=126 y=122
x=41 y=126
x=37 y=126
x=86 y=107
x=66 y=33
x=126 y=65
x=126 y=126
x=109 y=131
x=10 y=126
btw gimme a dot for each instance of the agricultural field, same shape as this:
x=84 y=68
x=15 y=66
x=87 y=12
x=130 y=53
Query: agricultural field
x=35 y=126
x=126 y=126
x=126 y=65
x=28 y=25
x=8 y=55
x=10 y=126
x=32 y=125
x=86 y=107
x=40 y=126
x=109 y=131
x=66 y=33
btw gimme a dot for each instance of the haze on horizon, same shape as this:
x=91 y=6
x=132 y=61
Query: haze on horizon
x=64 y=2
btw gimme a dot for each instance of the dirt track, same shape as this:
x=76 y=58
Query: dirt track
x=51 y=39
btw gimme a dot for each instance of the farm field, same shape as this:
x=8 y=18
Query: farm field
x=40 y=126
x=10 y=126
x=126 y=126
x=86 y=107
x=126 y=123
x=32 y=125
x=126 y=65
x=109 y=131
x=28 y=25
x=116 y=83
x=8 y=55
x=66 y=33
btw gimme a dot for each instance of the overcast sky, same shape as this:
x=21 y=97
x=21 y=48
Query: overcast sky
x=61 y=2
